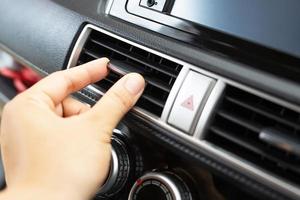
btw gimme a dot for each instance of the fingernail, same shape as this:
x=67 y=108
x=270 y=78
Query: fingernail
x=106 y=59
x=134 y=83
x=88 y=105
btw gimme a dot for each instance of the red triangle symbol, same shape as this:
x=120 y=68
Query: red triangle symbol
x=189 y=103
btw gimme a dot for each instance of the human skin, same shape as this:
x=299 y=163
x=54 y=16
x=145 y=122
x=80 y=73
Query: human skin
x=55 y=147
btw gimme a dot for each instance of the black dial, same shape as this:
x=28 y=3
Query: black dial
x=126 y=165
x=119 y=170
x=149 y=191
x=160 y=186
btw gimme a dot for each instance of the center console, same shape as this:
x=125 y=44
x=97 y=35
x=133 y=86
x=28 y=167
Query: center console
x=210 y=113
x=142 y=170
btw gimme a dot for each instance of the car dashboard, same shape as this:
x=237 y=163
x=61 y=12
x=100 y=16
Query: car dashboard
x=220 y=115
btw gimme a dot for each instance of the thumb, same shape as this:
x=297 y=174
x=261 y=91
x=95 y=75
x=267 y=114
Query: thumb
x=116 y=102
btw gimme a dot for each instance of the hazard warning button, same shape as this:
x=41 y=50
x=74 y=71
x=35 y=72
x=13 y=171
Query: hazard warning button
x=190 y=101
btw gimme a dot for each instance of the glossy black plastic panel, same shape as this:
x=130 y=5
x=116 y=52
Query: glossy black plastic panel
x=274 y=23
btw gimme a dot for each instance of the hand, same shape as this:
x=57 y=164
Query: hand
x=54 y=147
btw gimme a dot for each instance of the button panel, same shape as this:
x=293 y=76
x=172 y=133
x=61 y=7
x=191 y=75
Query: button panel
x=190 y=101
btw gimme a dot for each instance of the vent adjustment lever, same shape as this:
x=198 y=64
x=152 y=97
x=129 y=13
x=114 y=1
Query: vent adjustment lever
x=280 y=140
x=122 y=68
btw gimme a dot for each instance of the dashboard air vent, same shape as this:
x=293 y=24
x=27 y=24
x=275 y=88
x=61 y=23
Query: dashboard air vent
x=260 y=131
x=160 y=73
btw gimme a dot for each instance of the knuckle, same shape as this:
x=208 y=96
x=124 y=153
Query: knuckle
x=55 y=74
x=105 y=136
x=63 y=75
x=101 y=134
x=32 y=100
x=69 y=81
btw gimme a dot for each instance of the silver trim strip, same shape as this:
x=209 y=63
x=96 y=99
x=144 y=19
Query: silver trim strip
x=108 y=6
x=78 y=47
x=119 y=10
x=173 y=94
x=249 y=169
x=210 y=106
x=133 y=7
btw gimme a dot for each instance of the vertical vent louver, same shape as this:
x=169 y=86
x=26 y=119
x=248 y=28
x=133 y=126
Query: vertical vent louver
x=160 y=73
x=240 y=124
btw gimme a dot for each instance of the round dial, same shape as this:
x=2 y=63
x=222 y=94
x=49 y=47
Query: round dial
x=119 y=169
x=126 y=165
x=160 y=185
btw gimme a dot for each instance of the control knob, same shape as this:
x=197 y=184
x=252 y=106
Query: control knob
x=126 y=164
x=161 y=186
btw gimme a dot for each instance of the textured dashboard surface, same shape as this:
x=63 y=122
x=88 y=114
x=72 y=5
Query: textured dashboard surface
x=40 y=31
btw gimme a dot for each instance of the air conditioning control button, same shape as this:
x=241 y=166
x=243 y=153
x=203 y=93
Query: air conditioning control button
x=190 y=101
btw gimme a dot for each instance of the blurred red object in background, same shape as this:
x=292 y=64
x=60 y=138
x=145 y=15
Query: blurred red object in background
x=22 y=78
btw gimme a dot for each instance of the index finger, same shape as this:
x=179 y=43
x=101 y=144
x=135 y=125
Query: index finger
x=59 y=85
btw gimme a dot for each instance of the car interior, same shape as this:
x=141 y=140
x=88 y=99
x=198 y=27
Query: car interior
x=220 y=115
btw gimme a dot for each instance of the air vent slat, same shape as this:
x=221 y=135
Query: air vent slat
x=228 y=136
x=153 y=100
x=242 y=122
x=254 y=147
x=264 y=111
x=92 y=54
x=160 y=73
x=157 y=83
x=153 y=81
x=239 y=123
x=145 y=61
